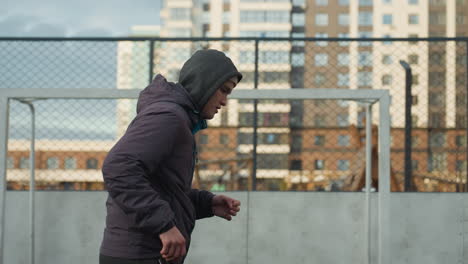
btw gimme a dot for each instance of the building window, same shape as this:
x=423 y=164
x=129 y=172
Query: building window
x=460 y=121
x=387 y=79
x=321 y=43
x=365 y=34
x=460 y=141
x=414 y=141
x=319 y=164
x=461 y=165
x=364 y=78
x=343 y=165
x=260 y=16
x=245 y=138
x=321 y=2
x=413 y=19
x=343 y=59
x=365 y=2
x=437 y=18
x=52 y=163
x=24 y=163
x=435 y=120
x=297 y=59
x=342 y=120
x=414 y=120
x=437 y=139
x=343 y=2
x=298 y=19
x=223 y=139
x=461 y=59
x=387 y=59
x=343 y=35
x=180 y=13
x=413 y=36
x=296 y=165
x=271 y=138
x=203 y=139
x=365 y=58
x=387 y=19
x=387 y=1
x=271 y=77
x=413 y=59
x=70 y=163
x=298 y=2
x=319 y=121
x=298 y=43
x=413 y=2
x=460 y=79
x=343 y=79
x=321 y=19
x=10 y=162
x=343 y=103
x=436 y=79
x=437 y=162
x=272 y=161
x=343 y=19
x=274 y=57
x=296 y=144
x=437 y=58
x=365 y=18
x=321 y=59
x=319 y=140
x=319 y=79
x=461 y=18
x=414 y=99
x=91 y=164
x=415 y=79
x=436 y=98
x=414 y=165
x=343 y=140
x=246 y=56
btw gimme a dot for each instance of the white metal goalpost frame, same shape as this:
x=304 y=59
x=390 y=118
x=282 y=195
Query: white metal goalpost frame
x=369 y=96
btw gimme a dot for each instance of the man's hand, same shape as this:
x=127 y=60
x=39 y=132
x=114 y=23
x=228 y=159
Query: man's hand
x=225 y=207
x=173 y=243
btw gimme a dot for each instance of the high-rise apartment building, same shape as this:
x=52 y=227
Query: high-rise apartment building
x=241 y=18
x=439 y=71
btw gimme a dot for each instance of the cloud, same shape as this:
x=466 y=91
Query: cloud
x=93 y=32
x=14 y=26
x=46 y=30
x=78 y=18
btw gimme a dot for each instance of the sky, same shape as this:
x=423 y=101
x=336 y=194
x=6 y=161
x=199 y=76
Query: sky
x=58 y=18
x=66 y=64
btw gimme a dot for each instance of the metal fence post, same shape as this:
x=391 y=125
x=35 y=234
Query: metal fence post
x=408 y=124
x=4 y=116
x=151 y=61
x=466 y=116
x=32 y=183
x=255 y=122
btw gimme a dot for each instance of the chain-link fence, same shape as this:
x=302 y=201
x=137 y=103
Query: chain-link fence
x=313 y=145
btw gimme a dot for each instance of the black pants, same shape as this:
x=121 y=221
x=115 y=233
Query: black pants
x=111 y=260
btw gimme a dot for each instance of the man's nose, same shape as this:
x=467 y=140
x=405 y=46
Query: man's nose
x=224 y=101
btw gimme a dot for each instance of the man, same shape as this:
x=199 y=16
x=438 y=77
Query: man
x=151 y=208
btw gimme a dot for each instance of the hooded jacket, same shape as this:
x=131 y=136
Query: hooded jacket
x=148 y=173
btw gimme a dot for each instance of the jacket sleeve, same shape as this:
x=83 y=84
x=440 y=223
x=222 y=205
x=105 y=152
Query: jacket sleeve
x=202 y=202
x=127 y=168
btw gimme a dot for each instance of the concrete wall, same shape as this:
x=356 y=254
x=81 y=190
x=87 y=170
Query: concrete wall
x=273 y=227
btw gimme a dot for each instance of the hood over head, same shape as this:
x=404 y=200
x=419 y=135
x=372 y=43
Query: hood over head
x=204 y=73
x=160 y=90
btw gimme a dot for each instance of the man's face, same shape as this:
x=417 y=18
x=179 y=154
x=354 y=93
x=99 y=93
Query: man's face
x=218 y=99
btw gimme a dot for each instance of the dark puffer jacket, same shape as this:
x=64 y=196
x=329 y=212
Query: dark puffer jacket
x=148 y=173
